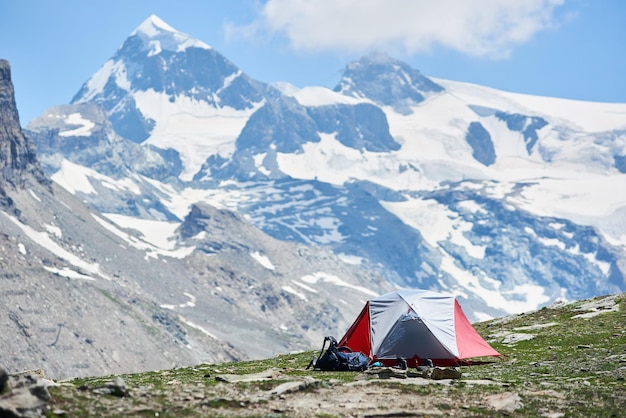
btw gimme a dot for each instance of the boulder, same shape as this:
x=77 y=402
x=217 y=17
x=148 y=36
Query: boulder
x=4 y=379
x=23 y=395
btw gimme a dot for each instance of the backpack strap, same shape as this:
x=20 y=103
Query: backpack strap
x=314 y=359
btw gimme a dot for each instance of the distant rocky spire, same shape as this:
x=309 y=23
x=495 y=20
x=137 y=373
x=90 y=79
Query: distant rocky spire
x=17 y=153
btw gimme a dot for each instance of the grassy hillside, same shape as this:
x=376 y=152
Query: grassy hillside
x=564 y=360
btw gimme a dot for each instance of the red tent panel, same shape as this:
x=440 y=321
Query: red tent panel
x=357 y=337
x=468 y=341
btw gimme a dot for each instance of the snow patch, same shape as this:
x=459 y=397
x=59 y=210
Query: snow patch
x=156 y=231
x=351 y=259
x=194 y=128
x=34 y=195
x=331 y=279
x=332 y=162
x=69 y=273
x=521 y=298
x=155 y=29
x=189 y=304
x=580 y=196
x=293 y=291
x=155 y=48
x=321 y=96
x=44 y=240
x=604 y=266
x=436 y=223
x=98 y=81
x=75 y=178
x=263 y=260
x=161 y=234
x=54 y=230
x=152 y=26
x=197 y=327
x=472 y=206
x=305 y=287
x=84 y=125
x=588 y=116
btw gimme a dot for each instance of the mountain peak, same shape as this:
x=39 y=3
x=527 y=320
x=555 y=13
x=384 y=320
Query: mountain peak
x=154 y=69
x=158 y=36
x=152 y=26
x=375 y=58
x=385 y=80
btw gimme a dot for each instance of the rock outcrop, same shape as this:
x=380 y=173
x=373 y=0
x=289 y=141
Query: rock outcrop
x=23 y=394
x=17 y=153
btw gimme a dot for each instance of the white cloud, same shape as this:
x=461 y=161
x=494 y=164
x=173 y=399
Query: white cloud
x=476 y=27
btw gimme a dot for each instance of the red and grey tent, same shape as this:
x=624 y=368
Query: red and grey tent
x=415 y=325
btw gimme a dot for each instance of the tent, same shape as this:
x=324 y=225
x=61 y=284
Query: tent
x=415 y=325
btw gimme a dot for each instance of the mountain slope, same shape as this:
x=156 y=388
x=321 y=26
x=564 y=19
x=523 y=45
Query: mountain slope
x=68 y=303
x=90 y=294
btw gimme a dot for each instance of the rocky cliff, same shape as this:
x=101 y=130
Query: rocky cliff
x=17 y=153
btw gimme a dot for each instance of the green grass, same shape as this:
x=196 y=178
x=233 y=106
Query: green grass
x=576 y=368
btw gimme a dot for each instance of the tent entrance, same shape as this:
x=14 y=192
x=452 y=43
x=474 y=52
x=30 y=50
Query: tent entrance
x=410 y=337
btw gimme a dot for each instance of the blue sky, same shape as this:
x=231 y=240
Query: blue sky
x=563 y=48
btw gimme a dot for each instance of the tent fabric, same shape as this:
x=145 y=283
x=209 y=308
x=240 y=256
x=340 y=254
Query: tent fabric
x=360 y=332
x=415 y=325
x=469 y=342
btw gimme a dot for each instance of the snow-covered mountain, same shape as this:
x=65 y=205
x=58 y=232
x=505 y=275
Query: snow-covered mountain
x=507 y=200
x=167 y=89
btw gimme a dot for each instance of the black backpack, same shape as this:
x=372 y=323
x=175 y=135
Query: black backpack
x=339 y=358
